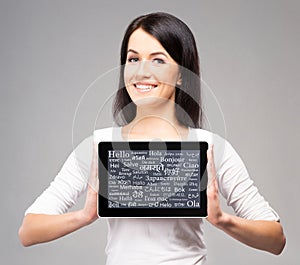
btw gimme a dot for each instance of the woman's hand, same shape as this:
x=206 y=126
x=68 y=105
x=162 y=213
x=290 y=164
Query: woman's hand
x=39 y=228
x=260 y=234
x=215 y=213
x=89 y=212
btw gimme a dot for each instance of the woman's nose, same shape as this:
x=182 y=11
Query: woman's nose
x=143 y=69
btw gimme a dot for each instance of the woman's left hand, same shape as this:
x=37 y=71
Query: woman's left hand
x=215 y=213
x=260 y=234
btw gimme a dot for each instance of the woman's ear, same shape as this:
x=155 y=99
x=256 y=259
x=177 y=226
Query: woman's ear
x=179 y=80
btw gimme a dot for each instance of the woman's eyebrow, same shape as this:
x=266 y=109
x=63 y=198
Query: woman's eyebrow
x=130 y=50
x=152 y=54
x=159 y=53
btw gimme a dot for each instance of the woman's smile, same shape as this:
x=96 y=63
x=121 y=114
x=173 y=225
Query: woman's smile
x=144 y=87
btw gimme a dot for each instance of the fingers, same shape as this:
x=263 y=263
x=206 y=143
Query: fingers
x=211 y=171
x=210 y=158
x=93 y=179
x=210 y=155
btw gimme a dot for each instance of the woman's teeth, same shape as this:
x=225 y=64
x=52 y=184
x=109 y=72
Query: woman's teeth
x=144 y=87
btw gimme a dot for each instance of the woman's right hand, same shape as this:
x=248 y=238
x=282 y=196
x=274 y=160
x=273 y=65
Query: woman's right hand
x=89 y=212
x=39 y=228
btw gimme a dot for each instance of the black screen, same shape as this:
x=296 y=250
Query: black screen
x=148 y=179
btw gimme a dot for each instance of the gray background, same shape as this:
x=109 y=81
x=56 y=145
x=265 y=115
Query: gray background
x=52 y=50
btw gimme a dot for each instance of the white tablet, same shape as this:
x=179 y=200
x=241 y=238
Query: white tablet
x=152 y=179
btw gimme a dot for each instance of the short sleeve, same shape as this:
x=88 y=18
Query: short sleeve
x=69 y=183
x=239 y=190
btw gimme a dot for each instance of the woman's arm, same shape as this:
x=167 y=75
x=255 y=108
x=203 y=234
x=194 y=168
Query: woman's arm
x=39 y=228
x=260 y=234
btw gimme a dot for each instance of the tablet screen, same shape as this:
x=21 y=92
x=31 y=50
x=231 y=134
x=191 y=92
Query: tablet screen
x=152 y=179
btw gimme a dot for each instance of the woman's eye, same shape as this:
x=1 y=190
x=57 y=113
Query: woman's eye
x=132 y=60
x=159 y=61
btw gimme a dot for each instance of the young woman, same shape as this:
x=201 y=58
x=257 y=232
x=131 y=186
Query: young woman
x=158 y=97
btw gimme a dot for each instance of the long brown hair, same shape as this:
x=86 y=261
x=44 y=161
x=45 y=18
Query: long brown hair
x=178 y=40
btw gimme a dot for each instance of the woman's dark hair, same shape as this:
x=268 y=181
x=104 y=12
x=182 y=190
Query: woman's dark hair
x=178 y=40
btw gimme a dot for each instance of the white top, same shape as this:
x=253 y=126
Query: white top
x=156 y=240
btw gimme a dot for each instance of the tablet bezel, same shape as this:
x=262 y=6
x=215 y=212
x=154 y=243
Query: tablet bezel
x=105 y=146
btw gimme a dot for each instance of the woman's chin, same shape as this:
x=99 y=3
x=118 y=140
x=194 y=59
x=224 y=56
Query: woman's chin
x=150 y=101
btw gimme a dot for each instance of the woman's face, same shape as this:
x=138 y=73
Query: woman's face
x=150 y=73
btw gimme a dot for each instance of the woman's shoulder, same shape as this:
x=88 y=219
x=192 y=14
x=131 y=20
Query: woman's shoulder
x=107 y=134
x=222 y=148
x=199 y=134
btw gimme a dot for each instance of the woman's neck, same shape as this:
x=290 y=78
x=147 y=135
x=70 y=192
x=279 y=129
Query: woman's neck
x=155 y=122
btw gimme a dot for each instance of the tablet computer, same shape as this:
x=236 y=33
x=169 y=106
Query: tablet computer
x=152 y=179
